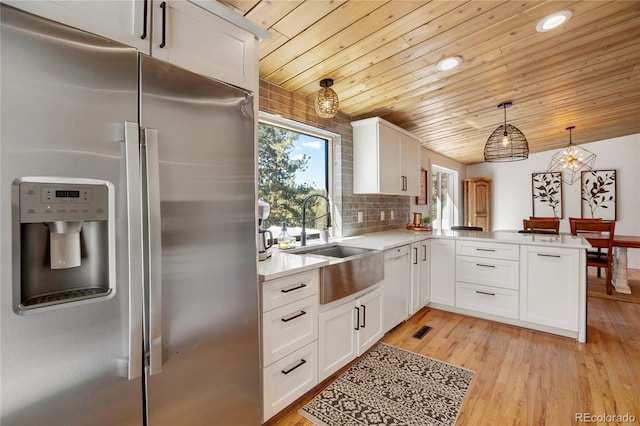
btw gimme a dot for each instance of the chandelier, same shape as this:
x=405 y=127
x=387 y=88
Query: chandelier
x=326 y=102
x=506 y=143
x=571 y=160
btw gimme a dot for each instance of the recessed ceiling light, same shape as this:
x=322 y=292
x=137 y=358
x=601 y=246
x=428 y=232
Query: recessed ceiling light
x=553 y=21
x=449 y=63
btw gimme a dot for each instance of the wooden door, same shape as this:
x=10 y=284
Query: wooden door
x=477 y=203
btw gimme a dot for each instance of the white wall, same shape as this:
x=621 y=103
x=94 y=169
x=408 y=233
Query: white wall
x=511 y=187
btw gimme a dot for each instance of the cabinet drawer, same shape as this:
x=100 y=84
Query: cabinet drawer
x=276 y=293
x=290 y=378
x=487 y=249
x=288 y=328
x=490 y=300
x=492 y=272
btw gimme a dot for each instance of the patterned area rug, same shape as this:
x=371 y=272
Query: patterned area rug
x=390 y=386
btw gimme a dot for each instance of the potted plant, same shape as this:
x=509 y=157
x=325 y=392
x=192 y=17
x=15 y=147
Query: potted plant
x=426 y=222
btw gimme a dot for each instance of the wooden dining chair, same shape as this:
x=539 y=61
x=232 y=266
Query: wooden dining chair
x=552 y=225
x=572 y=226
x=604 y=233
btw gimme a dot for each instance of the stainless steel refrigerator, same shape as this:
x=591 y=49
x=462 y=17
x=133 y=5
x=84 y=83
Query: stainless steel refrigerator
x=127 y=228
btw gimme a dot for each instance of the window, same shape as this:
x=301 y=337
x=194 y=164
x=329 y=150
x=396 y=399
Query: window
x=444 y=197
x=293 y=163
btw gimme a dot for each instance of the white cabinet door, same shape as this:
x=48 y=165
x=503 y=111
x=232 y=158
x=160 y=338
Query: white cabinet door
x=389 y=142
x=425 y=272
x=549 y=286
x=336 y=338
x=397 y=282
x=370 y=328
x=410 y=166
x=443 y=271
x=191 y=37
x=124 y=21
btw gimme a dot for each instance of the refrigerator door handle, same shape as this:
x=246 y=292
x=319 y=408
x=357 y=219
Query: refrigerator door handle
x=154 y=250
x=134 y=220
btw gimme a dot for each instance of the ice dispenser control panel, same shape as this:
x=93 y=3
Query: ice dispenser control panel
x=46 y=202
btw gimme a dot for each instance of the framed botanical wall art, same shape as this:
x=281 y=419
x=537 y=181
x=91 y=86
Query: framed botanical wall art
x=599 y=194
x=546 y=194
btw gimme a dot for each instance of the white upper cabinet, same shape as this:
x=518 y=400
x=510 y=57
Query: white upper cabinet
x=189 y=34
x=124 y=21
x=386 y=159
x=192 y=37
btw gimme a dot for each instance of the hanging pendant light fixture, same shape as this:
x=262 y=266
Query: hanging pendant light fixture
x=506 y=143
x=326 y=102
x=571 y=161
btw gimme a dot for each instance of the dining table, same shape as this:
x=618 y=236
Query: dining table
x=620 y=275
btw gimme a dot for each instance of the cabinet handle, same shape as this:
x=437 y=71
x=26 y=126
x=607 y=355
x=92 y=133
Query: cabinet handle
x=364 y=316
x=483 y=249
x=294 y=288
x=485 y=292
x=548 y=255
x=424 y=252
x=163 y=6
x=300 y=364
x=294 y=317
x=485 y=265
x=144 y=19
x=415 y=257
x=357 y=318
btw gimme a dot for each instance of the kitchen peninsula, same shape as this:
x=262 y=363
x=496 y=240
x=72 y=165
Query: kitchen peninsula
x=536 y=281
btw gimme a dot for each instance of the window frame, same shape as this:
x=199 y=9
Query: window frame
x=453 y=194
x=333 y=140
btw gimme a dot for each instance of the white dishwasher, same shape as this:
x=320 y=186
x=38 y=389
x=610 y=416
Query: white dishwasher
x=397 y=283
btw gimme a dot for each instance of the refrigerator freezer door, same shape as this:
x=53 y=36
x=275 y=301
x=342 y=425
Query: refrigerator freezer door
x=65 y=96
x=210 y=352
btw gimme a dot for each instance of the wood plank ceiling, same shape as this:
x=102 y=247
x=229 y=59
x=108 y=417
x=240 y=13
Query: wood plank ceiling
x=382 y=56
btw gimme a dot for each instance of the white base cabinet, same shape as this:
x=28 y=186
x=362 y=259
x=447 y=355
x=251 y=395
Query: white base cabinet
x=550 y=286
x=420 y=291
x=289 y=331
x=443 y=271
x=347 y=330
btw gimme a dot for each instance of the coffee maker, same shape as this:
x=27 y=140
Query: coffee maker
x=264 y=242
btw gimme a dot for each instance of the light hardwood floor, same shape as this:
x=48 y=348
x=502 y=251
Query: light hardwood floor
x=525 y=377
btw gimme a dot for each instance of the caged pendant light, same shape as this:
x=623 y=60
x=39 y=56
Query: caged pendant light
x=571 y=161
x=326 y=101
x=506 y=143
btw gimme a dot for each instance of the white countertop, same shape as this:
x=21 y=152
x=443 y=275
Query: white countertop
x=283 y=263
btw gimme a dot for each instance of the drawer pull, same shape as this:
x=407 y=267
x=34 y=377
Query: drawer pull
x=484 y=265
x=484 y=249
x=294 y=288
x=294 y=317
x=300 y=364
x=485 y=292
x=548 y=255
